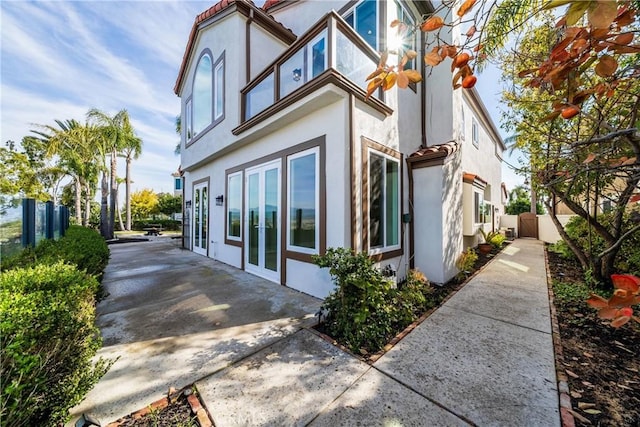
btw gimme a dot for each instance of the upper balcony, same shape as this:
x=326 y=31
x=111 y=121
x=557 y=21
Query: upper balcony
x=330 y=52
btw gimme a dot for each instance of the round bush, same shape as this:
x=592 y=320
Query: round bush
x=47 y=340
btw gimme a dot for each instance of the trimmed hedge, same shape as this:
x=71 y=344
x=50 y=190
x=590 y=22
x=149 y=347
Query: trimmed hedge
x=80 y=246
x=47 y=341
x=167 y=224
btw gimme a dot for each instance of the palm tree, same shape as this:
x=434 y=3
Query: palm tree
x=179 y=132
x=73 y=144
x=117 y=133
x=131 y=151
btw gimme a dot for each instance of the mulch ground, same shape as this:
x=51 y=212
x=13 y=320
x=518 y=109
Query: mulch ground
x=602 y=363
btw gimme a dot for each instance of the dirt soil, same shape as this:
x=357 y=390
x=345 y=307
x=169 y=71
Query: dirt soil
x=602 y=363
x=177 y=413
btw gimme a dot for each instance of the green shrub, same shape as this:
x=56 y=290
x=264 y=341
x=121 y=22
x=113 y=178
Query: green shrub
x=364 y=311
x=628 y=258
x=496 y=240
x=167 y=224
x=47 y=340
x=466 y=261
x=80 y=246
x=412 y=298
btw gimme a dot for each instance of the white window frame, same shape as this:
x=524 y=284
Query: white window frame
x=218 y=66
x=290 y=158
x=352 y=11
x=475 y=137
x=309 y=54
x=384 y=248
x=406 y=13
x=478 y=210
x=188 y=122
x=228 y=227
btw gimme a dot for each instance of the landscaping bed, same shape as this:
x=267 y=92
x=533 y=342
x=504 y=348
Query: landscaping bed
x=601 y=363
x=369 y=349
x=179 y=409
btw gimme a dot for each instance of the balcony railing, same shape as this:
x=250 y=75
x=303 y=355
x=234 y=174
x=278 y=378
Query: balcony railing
x=331 y=43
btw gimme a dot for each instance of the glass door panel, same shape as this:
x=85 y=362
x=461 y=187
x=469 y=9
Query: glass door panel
x=271 y=219
x=253 y=208
x=200 y=218
x=262 y=220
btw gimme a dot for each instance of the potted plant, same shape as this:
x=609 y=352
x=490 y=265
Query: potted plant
x=485 y=246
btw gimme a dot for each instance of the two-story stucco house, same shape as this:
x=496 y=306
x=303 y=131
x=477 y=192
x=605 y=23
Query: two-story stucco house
x=282 y=156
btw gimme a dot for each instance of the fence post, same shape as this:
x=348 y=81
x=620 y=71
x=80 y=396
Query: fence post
x=28 y=222
x=49 y=225
x=64 y=220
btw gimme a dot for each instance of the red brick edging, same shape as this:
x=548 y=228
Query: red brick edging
x=564 y=397
x=194 y=403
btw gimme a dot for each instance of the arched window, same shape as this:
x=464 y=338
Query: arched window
x=203 y=94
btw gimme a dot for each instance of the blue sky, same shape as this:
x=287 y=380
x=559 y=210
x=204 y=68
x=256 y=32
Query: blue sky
x=61 y=58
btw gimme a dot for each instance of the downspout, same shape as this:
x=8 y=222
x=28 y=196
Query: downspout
x=423 y=94
x=411 y=219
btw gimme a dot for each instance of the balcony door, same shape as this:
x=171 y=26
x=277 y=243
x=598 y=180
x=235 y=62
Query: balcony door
x=200 y=218
x=262 y=220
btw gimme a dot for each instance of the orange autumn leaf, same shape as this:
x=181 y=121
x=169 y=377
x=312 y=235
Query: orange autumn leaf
x=623 y=39
x=596 y=301
x=607 y=66
x=373 y=85
x=433 y=58
x=402 y=80
x=625 y=17
x=376 y=73
x=466 y=7
x=619 y=321
x=389 y=81
x=603 y=14
x=471 y=31
x=590 y=158
x=608 y=313
x=413 y=76
x=432 y=24
x=626 y=282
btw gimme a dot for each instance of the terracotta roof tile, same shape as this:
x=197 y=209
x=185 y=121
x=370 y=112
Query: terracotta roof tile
x=270 y=3
x=471 y=178
x=435 y=151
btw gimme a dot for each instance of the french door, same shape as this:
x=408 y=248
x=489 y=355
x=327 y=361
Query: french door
x=262 y=220
x=200 y=218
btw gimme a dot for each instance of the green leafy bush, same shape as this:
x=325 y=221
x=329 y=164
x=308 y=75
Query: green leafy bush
x=466 y=261
x=80 y=246
x=47 y=340
x=365 y=311
x=496 y=240
x=628 y=258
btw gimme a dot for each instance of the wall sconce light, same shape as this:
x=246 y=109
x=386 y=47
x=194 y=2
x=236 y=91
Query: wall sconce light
x=187 y=204
x=219 y=200
x=297 y=74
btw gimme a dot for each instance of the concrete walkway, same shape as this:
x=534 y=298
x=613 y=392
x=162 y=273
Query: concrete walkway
x=484 y=358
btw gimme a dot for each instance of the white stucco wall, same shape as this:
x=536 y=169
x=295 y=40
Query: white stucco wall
x=428 y=222
x=265 y=48
x=299 y=16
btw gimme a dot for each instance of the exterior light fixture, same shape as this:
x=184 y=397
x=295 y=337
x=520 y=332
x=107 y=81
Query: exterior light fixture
x=297 y=74
x=219 y=200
